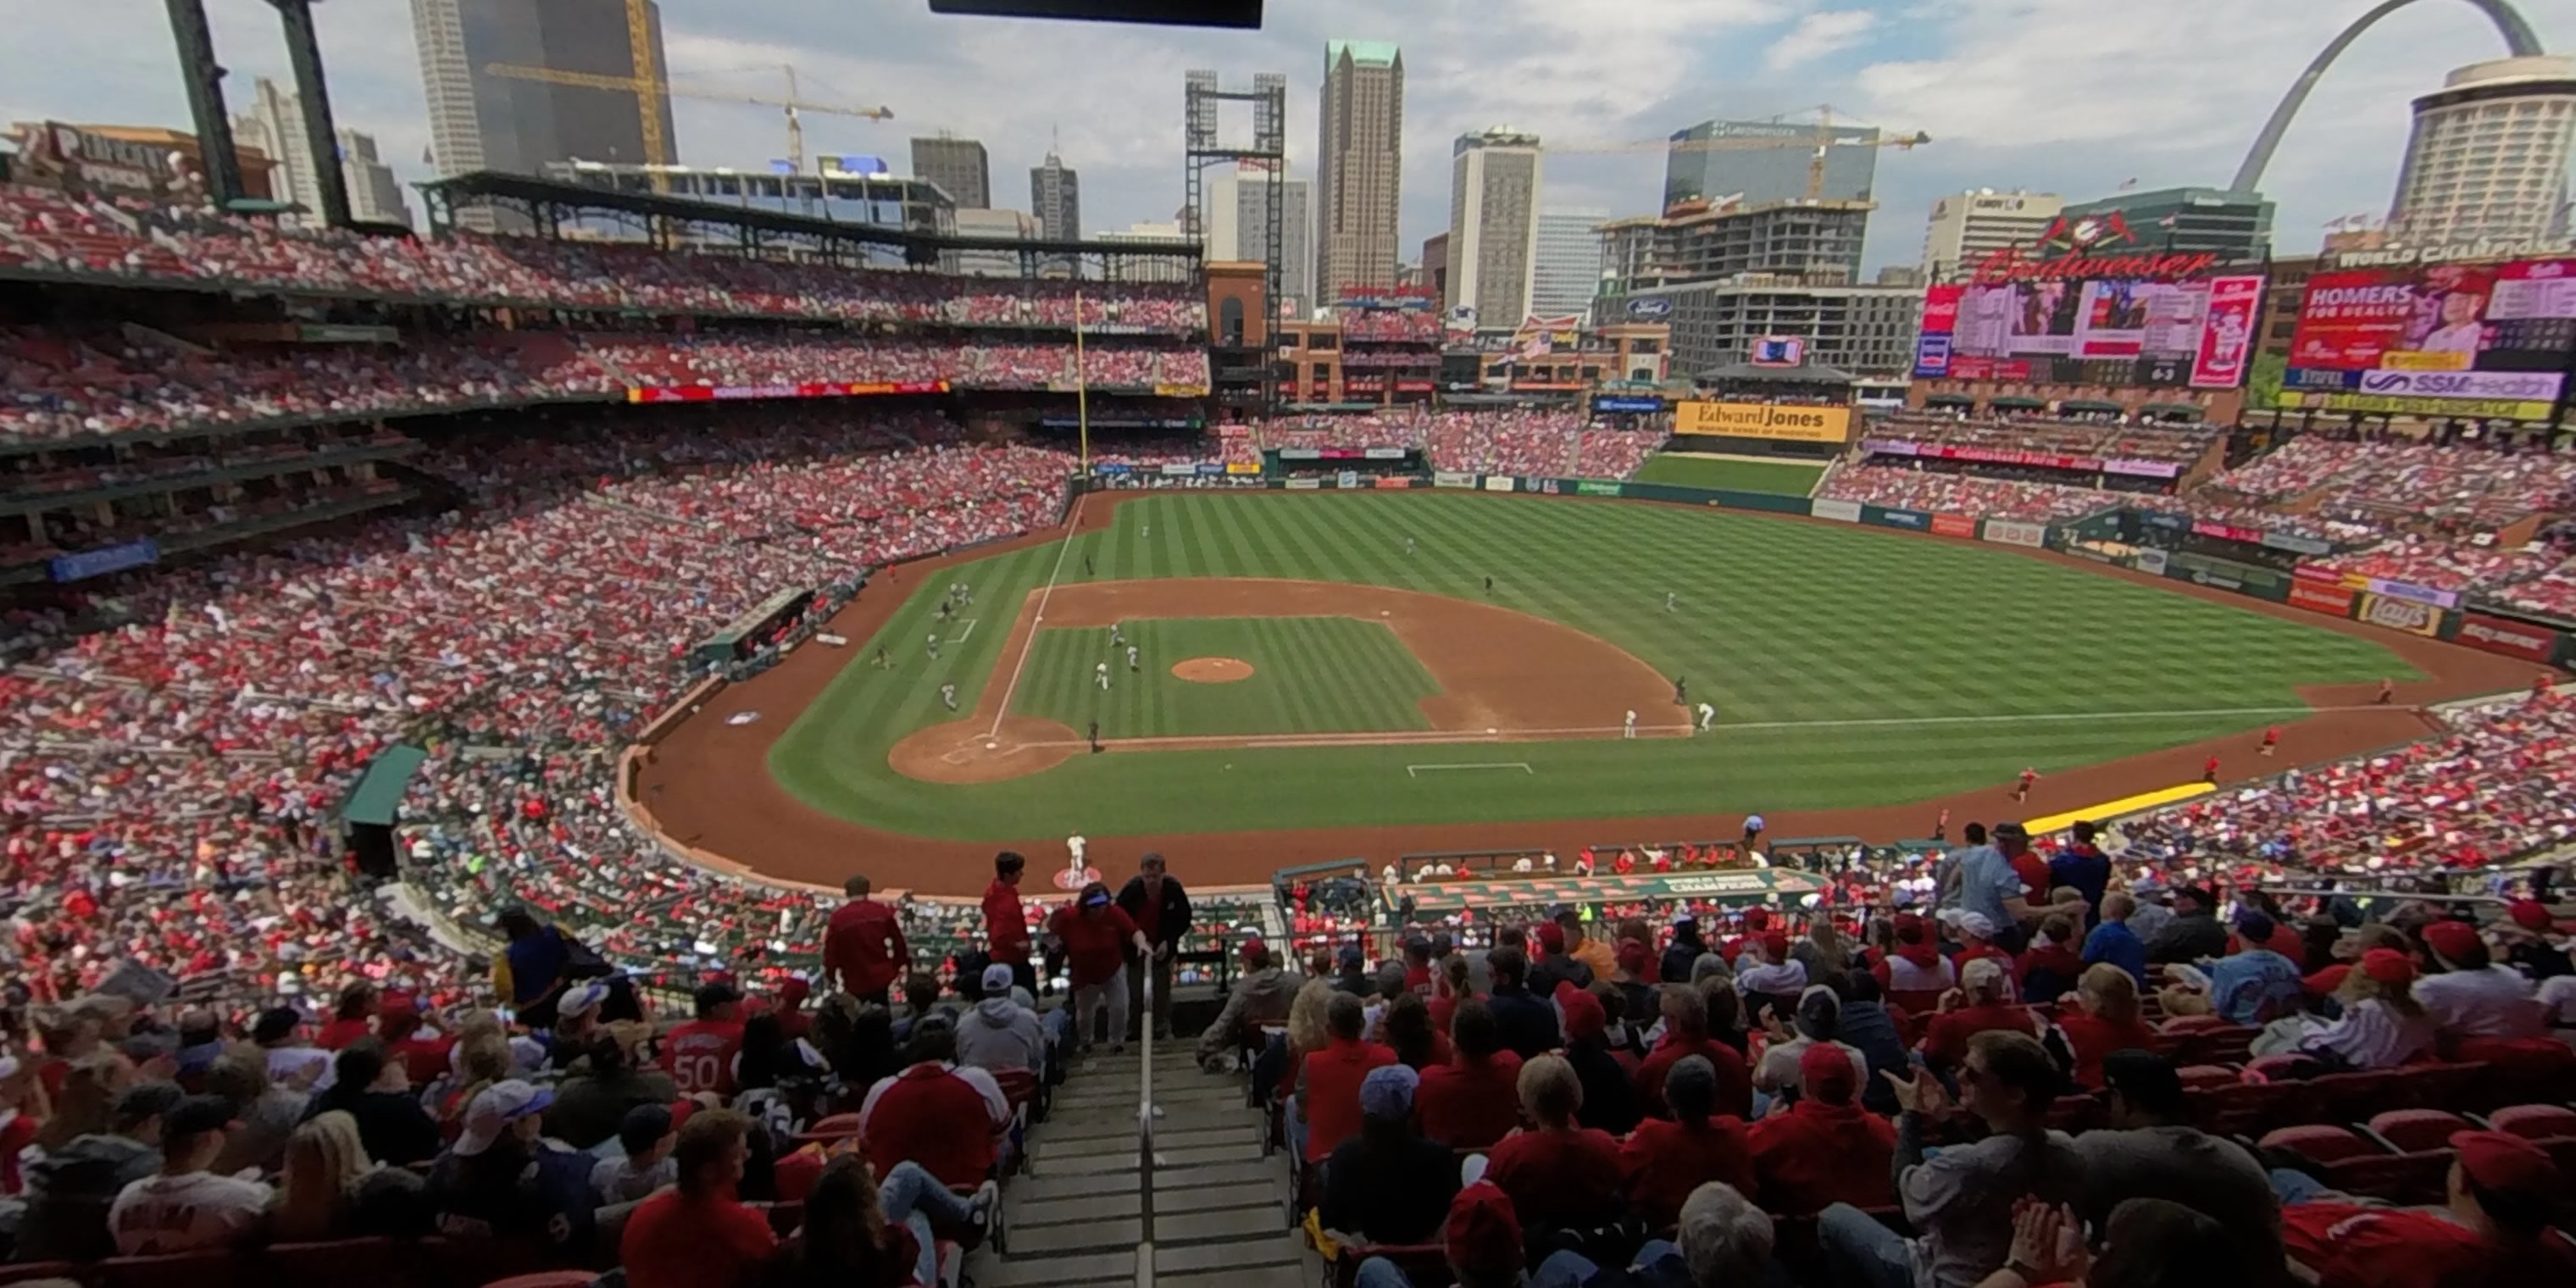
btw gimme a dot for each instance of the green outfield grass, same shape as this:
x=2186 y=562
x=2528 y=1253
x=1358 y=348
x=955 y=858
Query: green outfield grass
x=1786 y=477
x=1849 y=666
x=1309 y=675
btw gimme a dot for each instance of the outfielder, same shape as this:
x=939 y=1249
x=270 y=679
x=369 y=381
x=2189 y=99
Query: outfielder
x=1100 y=672
x=1668 y=601
x=934 y=644
x=1131 y=657
x=1707 y=716
x=948 y=695
x=1630 y=729
x=1408 y=545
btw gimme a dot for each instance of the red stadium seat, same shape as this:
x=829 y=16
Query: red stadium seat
x=215 y=1269
x=831 y=1128
x=2202 y=1077
x=2319 y=1143
x=2420 y=1177
x=2417 y=1130
x=2193 y=1023
x=2270 y=1067
x=2535 y=1122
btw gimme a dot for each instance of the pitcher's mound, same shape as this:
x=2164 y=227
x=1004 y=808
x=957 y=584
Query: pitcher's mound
x=971 y=751
x=1214 y=670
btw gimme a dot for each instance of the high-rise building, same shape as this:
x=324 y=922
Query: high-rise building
x=1493 y=222
x=275 y=126
x=1766 y=174
x=1567 y=272
x=1238 y=228
x=1811 y=241
x=958 y=166
x=1968 y=226
x=1359 y=160
x=1435 y=269
x=1055 y=196
x=2488 y=158
x=990 y=225
x=480 y=121
x=2231 y=225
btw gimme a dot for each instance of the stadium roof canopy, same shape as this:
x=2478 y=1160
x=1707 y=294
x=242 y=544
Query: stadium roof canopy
x=545 y=201
x=1805 y=375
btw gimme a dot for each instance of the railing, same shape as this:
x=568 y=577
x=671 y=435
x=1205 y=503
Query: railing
x=1145 y=1130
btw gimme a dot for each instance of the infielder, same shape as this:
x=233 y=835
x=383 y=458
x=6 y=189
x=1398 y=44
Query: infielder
x=1100 y=672
x=1630 y=729
x=1681 y=691
x=1707 y=716
x=948 y=694
x=934 y=645
x=1131 y=657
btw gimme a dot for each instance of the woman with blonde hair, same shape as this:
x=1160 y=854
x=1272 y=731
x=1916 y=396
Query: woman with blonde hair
x=2100 y=1017
x=482 y=1058
x=325 y=1161
x=2383 y=1026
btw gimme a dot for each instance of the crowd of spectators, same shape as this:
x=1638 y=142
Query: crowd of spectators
x=42 y=230
x=1914 y=488
x=2470 y=487
x=1420 y=326
x=2089 y=439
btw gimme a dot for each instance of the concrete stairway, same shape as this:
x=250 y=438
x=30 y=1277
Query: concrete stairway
x=1220 y=1208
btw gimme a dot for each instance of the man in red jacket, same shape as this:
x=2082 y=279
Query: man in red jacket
x=863 y=945
x=1473 y=1100
x=1984 y=986
x=1824 y=1149
x=937 y=1113
x=1686 y=1035
x=1006 y=924
x=2494 y=1229
x=1328 y=1081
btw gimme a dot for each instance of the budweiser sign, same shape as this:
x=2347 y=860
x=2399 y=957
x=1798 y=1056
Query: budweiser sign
x=2012 y=264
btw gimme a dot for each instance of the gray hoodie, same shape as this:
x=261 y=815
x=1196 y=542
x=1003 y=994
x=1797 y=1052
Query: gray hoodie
x=1261 y=997
x=69 y=1192
x=1001 y=1034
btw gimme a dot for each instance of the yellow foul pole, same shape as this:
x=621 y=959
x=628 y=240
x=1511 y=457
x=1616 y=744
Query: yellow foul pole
x=1081 y=387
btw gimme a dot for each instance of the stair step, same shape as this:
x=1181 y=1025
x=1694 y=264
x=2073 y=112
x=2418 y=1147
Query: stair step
x=1042 y=1187
x=1245 y=1151
x=1227 y=1260
x=1264 y=1194
x=1124 y=1143
x=1095 y=1124
x=1171 y=1230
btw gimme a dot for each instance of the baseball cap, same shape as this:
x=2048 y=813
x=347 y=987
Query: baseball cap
x=1483 y=1233
x=2388 y=966
x=1095 y=898
x=2147 y=1079
x=274 y=1024
x=1387 y=1092
x=495 y=1108
x=1550 y=936
x=1350 y=955
x=197 y=1115
x=1633 y=956
x=1757 y=918
x=1977 y=924
x=2452 y=939
x=645 y=1124
x=582 y=998
x=2506 y=1164
x=1584 y=1017
x=2531 y=914
x=1252 y=947
x=997 y=979
x=1826 y=1071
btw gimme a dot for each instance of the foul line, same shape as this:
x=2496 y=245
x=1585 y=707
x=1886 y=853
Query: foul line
x=1415 y=771
x=1063 y=548
x=970 y=629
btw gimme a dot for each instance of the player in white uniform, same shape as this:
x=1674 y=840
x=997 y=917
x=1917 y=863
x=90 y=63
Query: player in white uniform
x=934 y=644
x=1668 y=601
x=1100 y=672
x=1707 y=715
x=1131 y=657
x=1074 y=845
x=948 y=694
x=1630 y=731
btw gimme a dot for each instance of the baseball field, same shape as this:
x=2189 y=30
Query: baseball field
x=1322 y=674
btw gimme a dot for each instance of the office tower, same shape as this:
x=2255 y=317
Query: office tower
x=275 y=126
x=1493 y=222
x=2488 y=157
x=1769 y=173
x=1968 y=226
x=958 y=166
x=1359 y=163
x=1567 y=271
x=1238 y=218
x=1055 y=196
x=480 y=121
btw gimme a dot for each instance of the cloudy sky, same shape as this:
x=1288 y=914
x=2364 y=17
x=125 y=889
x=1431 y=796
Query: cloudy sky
x=2071 y=96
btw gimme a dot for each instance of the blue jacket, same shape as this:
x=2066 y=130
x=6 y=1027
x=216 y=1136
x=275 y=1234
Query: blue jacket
x=2112 y=942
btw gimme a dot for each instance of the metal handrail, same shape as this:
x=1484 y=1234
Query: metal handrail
x=1145 y=1129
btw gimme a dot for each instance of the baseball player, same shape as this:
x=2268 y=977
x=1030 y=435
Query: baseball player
x=2209 y=772
x=2271 y=741
x=1668 y=601
x=1149 y=532
x=934 y=645
x=1489 y=586
x=1629 y=730
x=2021 y=789
x=2387 y=692
x=1086 y=565
x=882 y=663
x=1681 y=691
x=943 y=609
x=1131 y=657
x=1100 y=672
x=1707 y=716
x=948 y=695
x=1117 y=634
x=1074 y=845
x=1408 y=545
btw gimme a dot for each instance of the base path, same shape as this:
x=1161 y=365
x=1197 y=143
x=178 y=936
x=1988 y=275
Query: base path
x=706 y=785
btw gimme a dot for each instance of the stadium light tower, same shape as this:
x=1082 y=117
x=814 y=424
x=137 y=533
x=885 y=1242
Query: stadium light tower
x=2518 y=38
x=205 y=86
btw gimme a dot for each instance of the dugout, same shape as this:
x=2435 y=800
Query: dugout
x=757 y=625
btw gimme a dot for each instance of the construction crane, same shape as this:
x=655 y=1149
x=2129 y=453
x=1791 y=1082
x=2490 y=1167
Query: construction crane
x=648 y=85
x=1822 y=141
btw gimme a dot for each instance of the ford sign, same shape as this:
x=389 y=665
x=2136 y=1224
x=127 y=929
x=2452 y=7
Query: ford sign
x=1651 y=306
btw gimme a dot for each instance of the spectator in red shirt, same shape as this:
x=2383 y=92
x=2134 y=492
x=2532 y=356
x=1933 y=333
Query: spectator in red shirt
x=697 y=1234
x=2104 y=1019
x=1560 y=1176
x=424 y=1058
x=1824 y=1149
x=349 y=1021
x=1006 y=923
x=2051 y=965
x=863 y=945
x=1449 y=987
x=1664 y=1160
x=2494 y=1228
x=1328 y=1081
x=928 y=1114
x=700 y=1054
x=1979 y=1004
x=1482 y=1239
x=1097 y=935
x=1686 y=1035
x=1473 y=1100
x=788 y=1004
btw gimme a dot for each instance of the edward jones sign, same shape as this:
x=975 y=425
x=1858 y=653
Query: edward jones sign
x=1764 y=420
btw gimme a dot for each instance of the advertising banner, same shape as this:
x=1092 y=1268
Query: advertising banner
x=1498 y=482
x=1889 y=447
x=2333 y=601
x=1180 y=391
x=2513 y=639
x=2484 y=340
x=1393 y=483
x=1913 y=519
x=2108 y=319
x=1764 y=420
x=1299 y=454
x=1113 y=468
x=1384 y=454
x=1413 y=386
x=2169 y=522
x=104 y=560
x=1838 y=511
x=1241 y=467
x=1603 y=404
x=2295 y=545
x=2401 y=614
x=1349 y=478
x=1180 y=469
x=2226 y=532
x=1305 y=485
x=1211 y=467
x=2403 y=590
x=1932 y=348
x=1596 y=487
x=1452 y=478
x=2151 y=559
x=2228 y=574
x=2142 y=469
x=1953 y=525
x=2013 y=532
x=2227 y=333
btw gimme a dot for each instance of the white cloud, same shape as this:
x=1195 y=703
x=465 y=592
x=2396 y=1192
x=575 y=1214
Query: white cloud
x=1817 y=35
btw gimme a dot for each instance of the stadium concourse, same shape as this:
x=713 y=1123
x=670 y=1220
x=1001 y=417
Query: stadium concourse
x=200 y=986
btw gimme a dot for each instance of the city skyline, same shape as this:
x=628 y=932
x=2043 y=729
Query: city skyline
x=2010 y=90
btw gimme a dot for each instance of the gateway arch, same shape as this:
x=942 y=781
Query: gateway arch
x=2518 y=39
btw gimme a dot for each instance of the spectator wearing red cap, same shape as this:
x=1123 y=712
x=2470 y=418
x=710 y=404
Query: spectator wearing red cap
x=1006 y=923
x=1472 y=1101
x=1328 y=1081
x=2383 y=1026
x=787 y=1003
x=863 y=945
x=1685 y=1035
x=1824 y=1149
x=1633 y=975
x=1665 y=1159
x=1482 y=1237
x=1609 y=1098
x=2474 y=996
x=2529 y=935
x=1559 y=1174
x=1757 y=922
x=1915 y=965
x=1261 y=996
x=2493 y=1228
